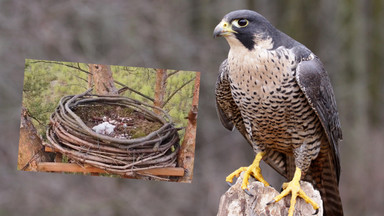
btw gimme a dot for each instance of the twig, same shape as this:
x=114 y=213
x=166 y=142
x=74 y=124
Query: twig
x=173 y=73
x=60 y=63
x=174 y=93
x=133 y=90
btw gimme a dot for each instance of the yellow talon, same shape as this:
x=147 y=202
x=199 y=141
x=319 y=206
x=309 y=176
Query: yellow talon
x=236 y=174
x=253 y=169
x=294 y=188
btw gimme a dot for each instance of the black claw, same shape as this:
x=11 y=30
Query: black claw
x=230 y=184
x=317 y=211
x=248 y=192
x=270 y=202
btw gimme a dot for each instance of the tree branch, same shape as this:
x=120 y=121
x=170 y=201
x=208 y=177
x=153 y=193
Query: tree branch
x=133 y=90
x=87 y=72
x=174 y=93
x=60 y=63
x=173 y=73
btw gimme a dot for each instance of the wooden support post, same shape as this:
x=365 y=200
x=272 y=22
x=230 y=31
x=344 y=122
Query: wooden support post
x=75 y=168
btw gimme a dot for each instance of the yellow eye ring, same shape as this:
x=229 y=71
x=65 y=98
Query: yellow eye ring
x=241 y=23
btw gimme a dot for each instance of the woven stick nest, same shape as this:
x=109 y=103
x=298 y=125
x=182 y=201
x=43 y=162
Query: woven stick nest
x=69 y=135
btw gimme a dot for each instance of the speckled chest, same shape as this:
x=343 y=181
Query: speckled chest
x=264 y=87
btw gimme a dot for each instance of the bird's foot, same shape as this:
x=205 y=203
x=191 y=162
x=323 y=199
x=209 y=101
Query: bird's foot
x=294 y=188
x=253 y=170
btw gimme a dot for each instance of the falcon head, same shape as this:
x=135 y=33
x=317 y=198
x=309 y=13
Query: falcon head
x=249 y=29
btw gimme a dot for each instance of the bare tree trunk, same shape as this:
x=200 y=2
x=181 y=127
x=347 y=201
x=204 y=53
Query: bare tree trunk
x=236 y=202
x=187 y=149
x=31 y=150
x=161 y=81
x=90 y=78
x=102 y=79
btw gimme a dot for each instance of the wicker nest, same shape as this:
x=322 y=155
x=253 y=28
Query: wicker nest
x=69 y=135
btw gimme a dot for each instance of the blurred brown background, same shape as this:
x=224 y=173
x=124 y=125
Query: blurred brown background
x=347 y=35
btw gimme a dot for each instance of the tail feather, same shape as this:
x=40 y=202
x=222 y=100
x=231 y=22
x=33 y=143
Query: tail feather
x=323 y=173
x=325 y=178
x=277 y=161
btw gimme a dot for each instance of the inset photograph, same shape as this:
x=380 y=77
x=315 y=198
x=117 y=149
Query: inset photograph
x=102 y=120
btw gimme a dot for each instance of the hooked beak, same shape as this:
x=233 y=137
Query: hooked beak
x=223 y=29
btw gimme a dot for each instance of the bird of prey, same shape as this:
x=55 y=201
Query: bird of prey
x=276 y=92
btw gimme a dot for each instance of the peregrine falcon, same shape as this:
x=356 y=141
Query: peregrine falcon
x=276 y=92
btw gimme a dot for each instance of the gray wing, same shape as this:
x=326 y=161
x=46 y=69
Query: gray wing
x=316 y=85
x=227 y=110
x=230 y=116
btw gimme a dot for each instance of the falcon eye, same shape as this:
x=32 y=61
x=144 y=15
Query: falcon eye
x=242 y=22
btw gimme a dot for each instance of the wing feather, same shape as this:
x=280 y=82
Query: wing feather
x=316 y=85
x=227 y=110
